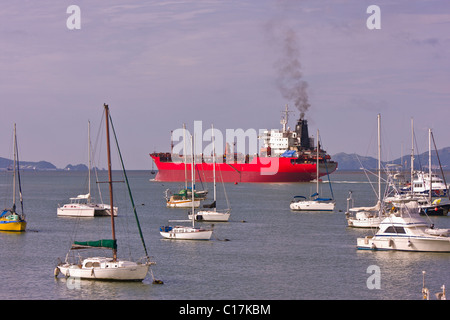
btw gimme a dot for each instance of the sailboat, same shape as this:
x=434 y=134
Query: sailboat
x=187 y=232
x=427 y=184
x=10 y=220
x=368 y=217
x=417 y=191
x=82 y=205
x=212 y=215
x=184 y=198
x=107 y=268
x=300 y=203
x=436 y=187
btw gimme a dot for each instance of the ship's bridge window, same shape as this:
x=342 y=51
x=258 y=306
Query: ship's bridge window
x=394 y=229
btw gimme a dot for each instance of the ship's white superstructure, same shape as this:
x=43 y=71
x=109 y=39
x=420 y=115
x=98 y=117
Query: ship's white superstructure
x=277 y=142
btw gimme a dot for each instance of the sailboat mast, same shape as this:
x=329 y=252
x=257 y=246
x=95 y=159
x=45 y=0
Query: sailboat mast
x=192 y=180
x=379 y=157
x=185 y=156
x=89 y=161
x=14 y=169
x=110 y=180
x=214 y=164
x=429 y=165
x=412 y=156
x=317 y=163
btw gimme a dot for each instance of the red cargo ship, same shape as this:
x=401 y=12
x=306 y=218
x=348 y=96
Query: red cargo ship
x=287 y=156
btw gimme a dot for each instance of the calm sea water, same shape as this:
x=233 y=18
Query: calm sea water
x=272 y=252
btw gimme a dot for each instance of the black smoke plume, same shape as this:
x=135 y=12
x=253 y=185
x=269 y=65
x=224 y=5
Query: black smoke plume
x=289 y=78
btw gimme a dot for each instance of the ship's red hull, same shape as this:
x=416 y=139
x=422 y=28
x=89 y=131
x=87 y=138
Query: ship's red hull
x=260 y=169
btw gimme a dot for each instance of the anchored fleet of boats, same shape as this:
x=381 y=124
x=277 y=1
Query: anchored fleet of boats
x=397 y=216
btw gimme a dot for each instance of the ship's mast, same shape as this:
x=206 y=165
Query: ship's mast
x=284 y=121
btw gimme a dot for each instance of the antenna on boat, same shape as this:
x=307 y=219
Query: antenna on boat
x=284 y=121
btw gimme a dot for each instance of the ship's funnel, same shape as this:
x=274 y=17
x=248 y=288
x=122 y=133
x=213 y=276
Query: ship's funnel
x=302 y=133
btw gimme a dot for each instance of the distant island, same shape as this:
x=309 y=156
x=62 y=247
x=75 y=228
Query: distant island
x=354 y=162
x=7 y=164
x=346 y=162
x=78 y=167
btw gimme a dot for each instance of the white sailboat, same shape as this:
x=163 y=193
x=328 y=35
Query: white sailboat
x=316 y=203
x=368 y=217
x=184 y=199
x=187 y=232
x=106 y=268
x=82 y=205
x=423 y=183
x=431 y=187
x=213 y=215
x=419 y=189
x=405 y=230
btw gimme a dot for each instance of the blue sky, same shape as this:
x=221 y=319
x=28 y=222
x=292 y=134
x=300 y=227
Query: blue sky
x=159 y=64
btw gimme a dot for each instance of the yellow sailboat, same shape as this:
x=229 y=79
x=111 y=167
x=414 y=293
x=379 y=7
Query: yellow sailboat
x=10 y=220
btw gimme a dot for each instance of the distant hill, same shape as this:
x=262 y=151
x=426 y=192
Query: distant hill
x=7 y=164
x=78 y=167
x=352 y=162
x=27 y=165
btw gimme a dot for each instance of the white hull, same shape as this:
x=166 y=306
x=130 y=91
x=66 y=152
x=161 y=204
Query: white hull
x=364 y=217
x=423 y=244
x=75 y=212
x=183 y=204
x=211 y=216
x=108 y=270
x=69 y=210
x=406 y=234
x=364 y=223
x=186 y=233
x=312 y=206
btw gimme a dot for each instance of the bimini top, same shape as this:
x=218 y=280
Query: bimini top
x=82 y=197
